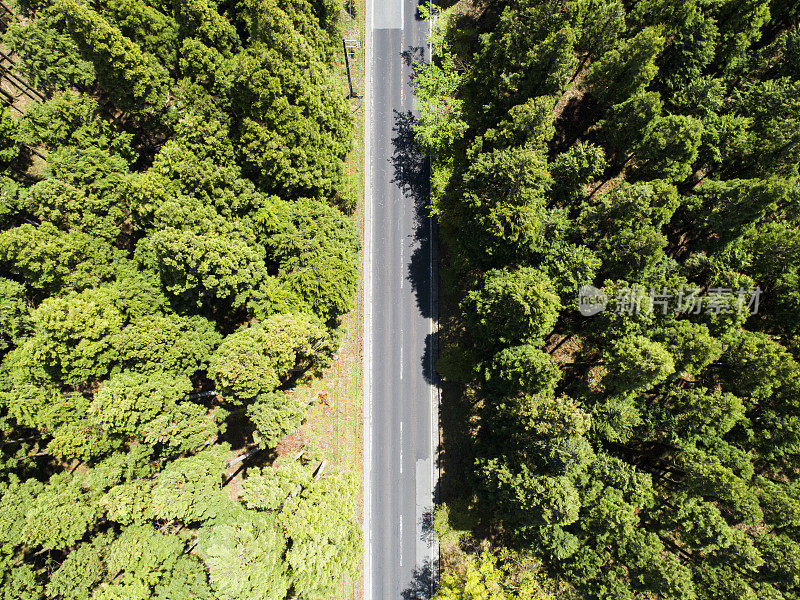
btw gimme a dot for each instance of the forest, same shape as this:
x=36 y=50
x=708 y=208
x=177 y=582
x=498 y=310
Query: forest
x=176 y=256
x=616 y=184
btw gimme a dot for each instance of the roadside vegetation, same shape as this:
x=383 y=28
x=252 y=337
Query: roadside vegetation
x=176 y=255
x=648 y=149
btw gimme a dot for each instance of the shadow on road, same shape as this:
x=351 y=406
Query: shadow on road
x=412 y=176
x=421 y=586
x=428 y=360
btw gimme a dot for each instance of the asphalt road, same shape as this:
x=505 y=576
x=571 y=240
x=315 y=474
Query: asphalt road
x=401 y=401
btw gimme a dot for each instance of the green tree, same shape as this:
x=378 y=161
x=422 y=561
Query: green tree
x=316 y=247
x=189 y=489
x=64 y=511
x=636 y=363
x=203 y=269
x=493 y=577
x=51 y=261
x=147 y=564
x=128 y=400
x=244 y=558
x=168 y=343
x=199 y=19
x=274 y=415
x=626 y=69
x=134 y=78
x=286 y=141
x=512 y=306
x=154 y=31
x=669 y=149
x=504 y=218
x=49 y=58
x=253 y=360
x=324 y=537
x=77 y=335
x=522 y=369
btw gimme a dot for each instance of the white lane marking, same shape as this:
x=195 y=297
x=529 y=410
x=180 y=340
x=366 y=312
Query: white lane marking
x=400 y=537
x=401 y=355
x=401 y=447
x=402 y=263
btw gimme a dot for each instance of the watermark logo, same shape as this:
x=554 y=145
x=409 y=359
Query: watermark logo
x=591 y=301
x=690 y=301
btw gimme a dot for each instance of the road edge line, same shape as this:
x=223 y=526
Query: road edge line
x=367 y=358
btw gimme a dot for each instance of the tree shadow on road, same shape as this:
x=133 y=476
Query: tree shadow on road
x=412 y=175
x=421 y=586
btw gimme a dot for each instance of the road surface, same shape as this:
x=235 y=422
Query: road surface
x=401 y=400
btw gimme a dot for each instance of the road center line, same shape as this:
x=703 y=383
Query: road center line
x=401 y=447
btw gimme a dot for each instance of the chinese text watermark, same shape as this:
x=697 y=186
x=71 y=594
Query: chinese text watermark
x=688 y=300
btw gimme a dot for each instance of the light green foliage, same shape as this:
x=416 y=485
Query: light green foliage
x=441 y=119
x=274 y=415
x=199 y=19
x=325 y=537
x=49 y=260
x=50 y=59
x=65 y=509
x=15 y=319
x=168 y=225
x=168 y=343
x=243 y=556
x=134 y=78
x=206 y=268
x=573 y=169
x=316 y=516
x=80 y=572
x=128 y=400
x=253 y=360
x=185 y=427
x=691 y=345
x=129 y=502
x=269 y=489
x=188 y=489
x=756 y=365
x=149 y=563
x=77 y=335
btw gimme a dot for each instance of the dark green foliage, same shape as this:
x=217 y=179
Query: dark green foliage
x=317 y=249
x=512 y=306
x=650 y=450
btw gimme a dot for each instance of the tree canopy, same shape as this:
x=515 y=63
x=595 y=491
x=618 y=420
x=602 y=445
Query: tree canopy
x=616 y=185
x=174 y=264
